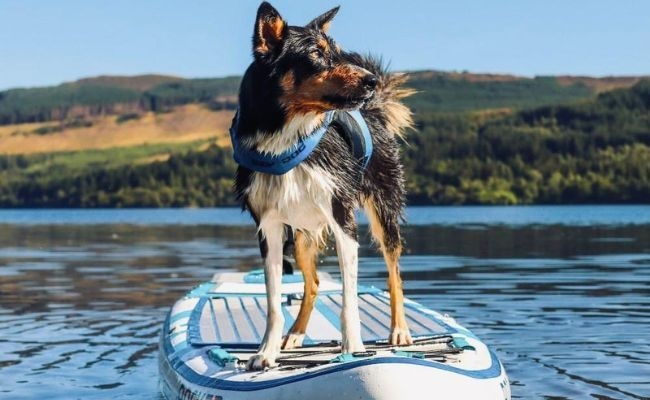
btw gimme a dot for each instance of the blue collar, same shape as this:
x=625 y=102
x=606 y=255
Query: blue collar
x=282 y=163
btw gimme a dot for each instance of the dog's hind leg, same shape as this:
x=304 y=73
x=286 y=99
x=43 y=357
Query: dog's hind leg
x=306 y=252
x=271 y=240
x=384 y=225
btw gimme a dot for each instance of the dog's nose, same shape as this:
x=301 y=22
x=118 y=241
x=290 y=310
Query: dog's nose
x=370 y=81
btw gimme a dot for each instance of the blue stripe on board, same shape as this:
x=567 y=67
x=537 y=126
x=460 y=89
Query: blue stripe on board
x=288 y=318
x=250 y=320
x=381 y=310
x=385 y=301
x=372 y=317
x=193 y=325
x=262 y=310
x=452 y=329
x=333 y=319
x=369 y=336
x=233 y=323
x=448 y=328
x=213 y=318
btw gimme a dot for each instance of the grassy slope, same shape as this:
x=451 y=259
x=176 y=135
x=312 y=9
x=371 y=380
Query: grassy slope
x=77 y=162
x=184 y=124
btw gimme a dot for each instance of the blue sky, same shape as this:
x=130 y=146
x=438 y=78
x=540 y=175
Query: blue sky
x=48 y=42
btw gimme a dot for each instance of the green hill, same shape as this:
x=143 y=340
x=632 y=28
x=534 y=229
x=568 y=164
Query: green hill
x=437 y=92
x=463 y=92
x=113 y=95
x=482 y=139
x=595 y=151
x=60 y=102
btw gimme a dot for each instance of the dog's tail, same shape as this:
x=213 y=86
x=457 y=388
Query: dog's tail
x=390 y=93
x=387 y=101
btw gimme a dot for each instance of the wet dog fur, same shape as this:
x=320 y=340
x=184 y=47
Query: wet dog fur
x=298 y=74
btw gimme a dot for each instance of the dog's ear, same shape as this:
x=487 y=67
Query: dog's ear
x=270 y=30
x=322 y=22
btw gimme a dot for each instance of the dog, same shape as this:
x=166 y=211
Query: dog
x=298 y=77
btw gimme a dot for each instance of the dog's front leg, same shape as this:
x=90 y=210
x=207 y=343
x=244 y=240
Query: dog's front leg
x=347 y=249
x=270 y=346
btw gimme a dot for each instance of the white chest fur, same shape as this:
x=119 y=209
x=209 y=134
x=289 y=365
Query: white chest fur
x=301 y=198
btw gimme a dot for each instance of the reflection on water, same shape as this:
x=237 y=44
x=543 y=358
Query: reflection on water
x=566 y=308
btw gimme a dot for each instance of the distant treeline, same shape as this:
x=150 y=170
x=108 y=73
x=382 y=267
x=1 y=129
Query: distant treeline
x=437 y=92
x=192 y=179
x=89 y=98
x=594 y=152
x=443 y=93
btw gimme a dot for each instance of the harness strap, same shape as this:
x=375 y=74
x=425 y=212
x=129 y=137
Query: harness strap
x=355 y=131
x=276 y=164
x=353 y=127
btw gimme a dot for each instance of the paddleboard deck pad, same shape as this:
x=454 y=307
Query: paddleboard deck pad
x=210 y=333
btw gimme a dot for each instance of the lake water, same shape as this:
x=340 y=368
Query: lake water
x=562 y=294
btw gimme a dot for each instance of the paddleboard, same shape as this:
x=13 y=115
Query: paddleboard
x=211 y=332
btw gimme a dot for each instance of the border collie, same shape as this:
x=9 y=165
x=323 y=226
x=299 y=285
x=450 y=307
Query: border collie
x=298 y=78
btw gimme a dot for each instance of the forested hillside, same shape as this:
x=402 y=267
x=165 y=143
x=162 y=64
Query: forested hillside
x=113 y=95
x=194 y=176
x=437 y=91
x=593 y=151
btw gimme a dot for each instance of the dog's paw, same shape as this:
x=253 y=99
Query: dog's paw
x=353 y=346
x=400 y=337
x=260 y=361
x=292 y=341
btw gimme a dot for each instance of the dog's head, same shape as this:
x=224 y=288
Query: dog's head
x=310 y=71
